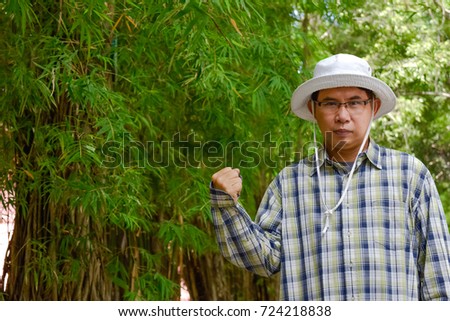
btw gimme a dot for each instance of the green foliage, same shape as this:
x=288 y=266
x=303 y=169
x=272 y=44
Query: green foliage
x=107 y=110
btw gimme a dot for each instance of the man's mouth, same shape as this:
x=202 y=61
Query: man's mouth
x=342 y=132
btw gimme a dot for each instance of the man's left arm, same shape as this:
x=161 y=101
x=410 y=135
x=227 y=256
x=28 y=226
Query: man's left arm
x=435 y=283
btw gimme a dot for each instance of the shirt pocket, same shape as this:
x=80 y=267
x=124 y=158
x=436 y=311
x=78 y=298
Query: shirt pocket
x=389 y=225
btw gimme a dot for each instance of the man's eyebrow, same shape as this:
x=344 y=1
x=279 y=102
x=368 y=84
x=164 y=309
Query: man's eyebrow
x=329 y=98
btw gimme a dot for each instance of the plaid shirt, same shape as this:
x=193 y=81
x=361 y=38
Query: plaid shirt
x=388 y=240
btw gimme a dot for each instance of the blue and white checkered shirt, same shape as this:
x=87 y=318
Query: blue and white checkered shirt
x=388 y=240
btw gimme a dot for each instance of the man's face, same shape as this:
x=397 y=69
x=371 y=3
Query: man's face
x=343 y=129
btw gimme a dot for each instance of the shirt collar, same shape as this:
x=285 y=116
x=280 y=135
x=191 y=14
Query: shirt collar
x=373 y=154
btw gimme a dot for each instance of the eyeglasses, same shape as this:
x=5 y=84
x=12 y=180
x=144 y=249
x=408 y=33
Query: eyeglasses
x=353 y=106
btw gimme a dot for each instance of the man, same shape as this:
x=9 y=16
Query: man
x=355 y=222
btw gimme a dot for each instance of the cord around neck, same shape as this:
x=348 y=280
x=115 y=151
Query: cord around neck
x=328 y=212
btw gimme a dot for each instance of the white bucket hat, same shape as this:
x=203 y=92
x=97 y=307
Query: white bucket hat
x=341 y=70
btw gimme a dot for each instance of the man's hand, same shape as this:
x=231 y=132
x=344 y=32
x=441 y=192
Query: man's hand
x=229 y=181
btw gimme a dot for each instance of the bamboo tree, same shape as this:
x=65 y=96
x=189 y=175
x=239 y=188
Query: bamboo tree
x=104 y=107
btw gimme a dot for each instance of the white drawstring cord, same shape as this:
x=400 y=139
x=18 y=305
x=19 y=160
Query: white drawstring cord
x=328 y=212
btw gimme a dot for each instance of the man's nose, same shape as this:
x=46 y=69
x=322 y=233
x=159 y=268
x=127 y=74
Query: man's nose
x=342 y=114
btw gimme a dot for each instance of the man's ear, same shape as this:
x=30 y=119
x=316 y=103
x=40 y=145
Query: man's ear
x=376 y=106
x=310 y=107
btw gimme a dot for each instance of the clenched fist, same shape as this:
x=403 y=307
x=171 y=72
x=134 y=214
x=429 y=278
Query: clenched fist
x=228 y=180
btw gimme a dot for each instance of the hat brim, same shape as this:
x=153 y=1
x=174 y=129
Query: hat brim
x=302 y=94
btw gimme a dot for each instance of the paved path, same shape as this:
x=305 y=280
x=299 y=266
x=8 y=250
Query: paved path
x=4 y=228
